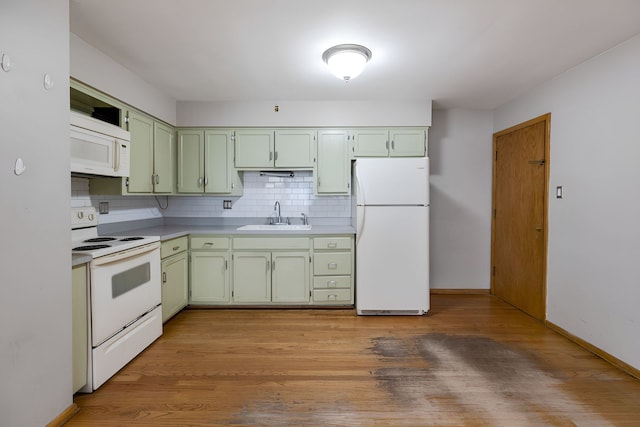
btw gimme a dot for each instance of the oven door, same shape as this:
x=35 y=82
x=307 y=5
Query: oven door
x=124 y=286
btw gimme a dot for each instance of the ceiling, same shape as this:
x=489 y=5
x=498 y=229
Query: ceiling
x=459 y=53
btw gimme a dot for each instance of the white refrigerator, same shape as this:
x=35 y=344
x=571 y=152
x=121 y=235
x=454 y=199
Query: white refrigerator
x=392 y=238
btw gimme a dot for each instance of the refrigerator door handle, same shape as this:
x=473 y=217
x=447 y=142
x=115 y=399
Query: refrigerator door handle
x=361 y=215
x=360 y=194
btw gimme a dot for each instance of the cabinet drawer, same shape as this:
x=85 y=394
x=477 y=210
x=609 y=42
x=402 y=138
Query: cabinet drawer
x=270 y=243
x=331 y=282
x=332 y=243
x=332 y=295
x=209 y=243
x=174 y=246
x=332 y=263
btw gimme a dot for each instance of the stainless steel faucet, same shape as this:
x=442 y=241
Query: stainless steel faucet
x=276 y=207
x=305 y=219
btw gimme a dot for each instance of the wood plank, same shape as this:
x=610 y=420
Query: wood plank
x=473 y=360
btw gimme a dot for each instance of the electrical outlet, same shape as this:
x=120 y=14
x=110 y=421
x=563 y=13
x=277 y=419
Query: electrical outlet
x=226 y=204
x=103 y=208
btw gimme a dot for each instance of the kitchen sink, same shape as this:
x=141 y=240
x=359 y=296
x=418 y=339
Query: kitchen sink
x=275 y=227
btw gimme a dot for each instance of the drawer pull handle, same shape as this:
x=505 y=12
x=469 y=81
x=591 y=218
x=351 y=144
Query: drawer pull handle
x=332 y=284
x=175 y=248
x=332 y=297
x=332 y=245
x=208 y=244
x=332 y=266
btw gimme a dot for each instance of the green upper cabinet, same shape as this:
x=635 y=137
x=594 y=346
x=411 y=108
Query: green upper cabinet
x=280 y=148
x=153 y=155
x=164 y=158
x=254 y=148
x=141 y=176
x=333 y=168
x=205 y=162
x=410 y=142
x=371 y=142
x=219 y=171
x=295 y=148
x=190 y=161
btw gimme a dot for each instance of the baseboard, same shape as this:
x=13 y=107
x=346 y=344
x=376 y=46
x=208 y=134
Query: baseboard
x=460 y=291
x=64 y=416
x=595 y=350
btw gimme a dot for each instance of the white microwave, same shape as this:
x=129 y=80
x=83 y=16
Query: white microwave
x=98 y=148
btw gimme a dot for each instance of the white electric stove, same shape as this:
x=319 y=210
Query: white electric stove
x=124 y=295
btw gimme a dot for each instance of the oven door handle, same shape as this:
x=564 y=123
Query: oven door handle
x=129 y=253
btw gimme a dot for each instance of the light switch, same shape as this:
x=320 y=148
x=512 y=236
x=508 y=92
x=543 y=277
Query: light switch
x=559 y=192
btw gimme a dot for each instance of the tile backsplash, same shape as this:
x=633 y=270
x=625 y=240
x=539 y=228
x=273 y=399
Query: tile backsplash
x=295 y=195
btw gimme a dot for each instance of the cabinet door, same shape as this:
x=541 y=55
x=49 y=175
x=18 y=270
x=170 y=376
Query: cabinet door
x=218 y=161
x=370 y=143
x=175 y=281
x=141 y=129
x=209 y=277
x=290 y=277
x=79 y=325
x=252 y=276
x=254 y=148
x=190 y=161
x=333 y=169
x=408 y=142
x=295 y=148
x=164 y=158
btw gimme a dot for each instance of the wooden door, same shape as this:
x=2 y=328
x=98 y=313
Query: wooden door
x=519 y=225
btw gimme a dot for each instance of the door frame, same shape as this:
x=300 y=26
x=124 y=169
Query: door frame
x=545 y=228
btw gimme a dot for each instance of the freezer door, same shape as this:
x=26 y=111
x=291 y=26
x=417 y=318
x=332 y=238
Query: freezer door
x=392 y=260
x=392 y=181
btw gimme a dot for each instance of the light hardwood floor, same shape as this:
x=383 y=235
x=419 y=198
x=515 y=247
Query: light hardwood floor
x=473 y=360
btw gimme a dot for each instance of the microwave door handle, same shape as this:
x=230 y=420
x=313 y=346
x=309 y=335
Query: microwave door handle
x=117 y=155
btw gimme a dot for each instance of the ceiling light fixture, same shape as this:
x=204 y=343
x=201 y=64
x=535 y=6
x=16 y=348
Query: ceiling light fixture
x=346 y=61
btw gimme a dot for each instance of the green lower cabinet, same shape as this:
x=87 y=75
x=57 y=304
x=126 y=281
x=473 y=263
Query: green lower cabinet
x=175 y=280
x=271 y=270
x=333 y=267
x=252 y=277
x=79 y=324
x=209 y=270
x=290 y=277
x=271 y=277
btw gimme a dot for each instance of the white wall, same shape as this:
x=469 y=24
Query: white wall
x=460 y=184
x=305 y=113
x=593 y=279
x=96 y=69
x=35 y=288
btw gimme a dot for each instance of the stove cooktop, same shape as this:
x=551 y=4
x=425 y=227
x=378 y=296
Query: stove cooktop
x=105 y=245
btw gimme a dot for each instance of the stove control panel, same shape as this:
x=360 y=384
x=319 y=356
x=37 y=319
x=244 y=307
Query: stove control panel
x=84 y=217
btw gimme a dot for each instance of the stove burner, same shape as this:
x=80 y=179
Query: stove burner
x=129 y=239
x=90 y=247
x=100 y=239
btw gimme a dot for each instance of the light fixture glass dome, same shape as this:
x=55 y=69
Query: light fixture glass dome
x=346 y=61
